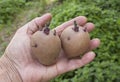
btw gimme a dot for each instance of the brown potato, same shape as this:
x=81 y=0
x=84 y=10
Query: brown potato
x=46 y=46
x=75 y=40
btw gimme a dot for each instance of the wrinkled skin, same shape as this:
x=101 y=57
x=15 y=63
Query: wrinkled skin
x=30 y=70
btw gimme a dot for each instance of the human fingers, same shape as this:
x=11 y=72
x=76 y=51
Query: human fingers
x=90 y=26
x=81 y=20
x=72 y=64
x=37 y=23
x=94 y=43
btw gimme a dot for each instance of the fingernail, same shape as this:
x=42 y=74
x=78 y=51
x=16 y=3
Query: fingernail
x=91 y=54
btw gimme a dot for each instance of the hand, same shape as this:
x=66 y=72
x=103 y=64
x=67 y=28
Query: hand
x=30 y=70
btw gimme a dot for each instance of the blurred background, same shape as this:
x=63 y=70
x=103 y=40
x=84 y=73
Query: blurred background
x=105 y=14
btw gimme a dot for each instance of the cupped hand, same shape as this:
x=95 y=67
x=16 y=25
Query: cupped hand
x=30 y=70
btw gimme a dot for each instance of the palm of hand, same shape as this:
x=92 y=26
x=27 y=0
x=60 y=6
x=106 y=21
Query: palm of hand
x=27 y=65
x=19 y=51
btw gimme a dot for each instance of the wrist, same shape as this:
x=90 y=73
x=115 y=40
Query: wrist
x=8 y=72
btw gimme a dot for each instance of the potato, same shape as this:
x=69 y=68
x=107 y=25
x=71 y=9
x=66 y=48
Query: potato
x=46 y=46
x=75 y=40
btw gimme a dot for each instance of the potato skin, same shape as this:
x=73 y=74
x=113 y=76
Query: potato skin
x=75 y=43
x=45 y=48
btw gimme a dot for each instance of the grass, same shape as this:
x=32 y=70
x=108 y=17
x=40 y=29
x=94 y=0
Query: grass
x=32 y=10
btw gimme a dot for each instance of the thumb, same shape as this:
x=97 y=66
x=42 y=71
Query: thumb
x=37 y=23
